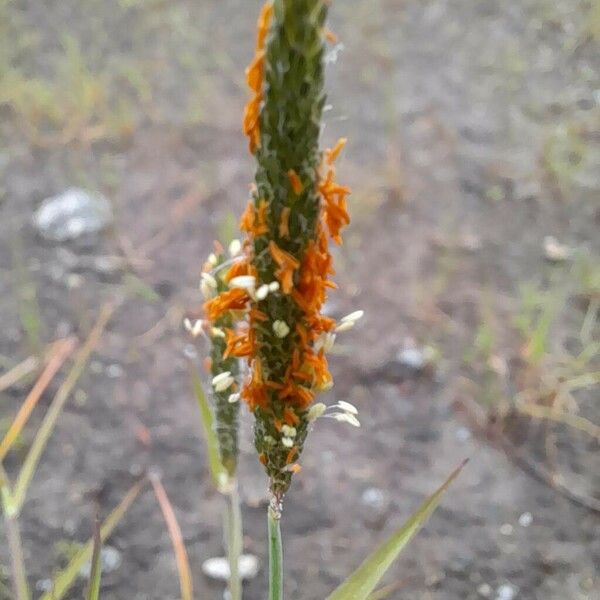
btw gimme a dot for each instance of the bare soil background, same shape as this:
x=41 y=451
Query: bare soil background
x=474 y=135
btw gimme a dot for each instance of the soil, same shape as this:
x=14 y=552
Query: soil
x=473 y=131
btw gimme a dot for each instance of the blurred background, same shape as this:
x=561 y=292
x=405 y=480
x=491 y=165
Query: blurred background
x=473 y=154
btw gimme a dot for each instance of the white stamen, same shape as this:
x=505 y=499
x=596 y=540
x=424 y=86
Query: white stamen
x=235 y=247
x=212 y=259
x=280 y=328
x=288 y=431
x=325 y=341
x=210 y=280
x=246 y=282
x=345 y=326
x=346 y=418
x=287 y=442
x=353 y=316
x=347 y=407
x=222 y=381
x=274 y=286
x=233 y=398
x=195 y=328
x=262 y=292
x=316 y=410
x=216 y=332
x=208 y=285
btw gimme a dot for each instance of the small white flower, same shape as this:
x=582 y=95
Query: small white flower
x=347 y=418
x=233 y=398
x=345 y=326
x=347 y=407
x=288 y=431
x=287 y=442
x=216 y=332
x=212 y=259
x=274 y=286
x=269 y=439
x=222 y=381
x=316 y=410
x=262 y=292
x=246 y=282
x=235 y=247
x=280 y=328
x=353 y=316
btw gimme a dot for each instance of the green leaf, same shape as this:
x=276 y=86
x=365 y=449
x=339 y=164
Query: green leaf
x=96 y=571
x=217 y=471
x=65 y=578
x=363 y=581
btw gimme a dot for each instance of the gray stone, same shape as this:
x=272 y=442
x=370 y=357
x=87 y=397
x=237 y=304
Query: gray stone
x=72 y=214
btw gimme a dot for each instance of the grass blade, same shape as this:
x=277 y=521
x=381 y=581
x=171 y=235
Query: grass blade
x=181 y=557
x=58 y=354
x=363 y=581
x=51 y=417
x=19 y=371
x=217 y=471
x=96 y=570
x=64 y=580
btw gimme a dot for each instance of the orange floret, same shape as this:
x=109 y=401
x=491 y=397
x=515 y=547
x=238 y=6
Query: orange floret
x=254 y=77
x=295 y=182
x=330 y=36
x=254 y=221
x=234 y=299
x=290 y=417
x=287 y=265
x=291 y=455
x=239 y=345
x=284 y=222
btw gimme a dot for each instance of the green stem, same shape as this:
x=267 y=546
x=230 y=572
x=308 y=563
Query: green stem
x=275 y=555
x=234 y=541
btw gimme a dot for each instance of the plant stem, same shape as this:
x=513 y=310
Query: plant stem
x=275 y=555
x=234 y=541
x=19 y=576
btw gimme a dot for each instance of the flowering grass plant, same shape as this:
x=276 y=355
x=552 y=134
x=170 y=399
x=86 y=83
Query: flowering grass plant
x=263 y=309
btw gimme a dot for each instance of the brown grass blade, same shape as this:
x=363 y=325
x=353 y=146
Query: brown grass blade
x=19 y=371
x=183 y=565
x=59 y=352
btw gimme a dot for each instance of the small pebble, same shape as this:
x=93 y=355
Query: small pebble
x=190 y=351
x=485 y=590
x=506 y=592
x=114 y=371
x=218 y=567
x=525 y=519
x=463 y=434
x=506 y=529
x=374 y=498
x=110 y=560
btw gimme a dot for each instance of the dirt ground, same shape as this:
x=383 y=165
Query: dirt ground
x=474 y=134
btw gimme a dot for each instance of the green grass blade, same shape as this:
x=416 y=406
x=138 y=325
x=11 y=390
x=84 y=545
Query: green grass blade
x=217 y=471
x=275 y=556
x=96 y=571
x=65 y=578
x=51 y=417
x=363 y=581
